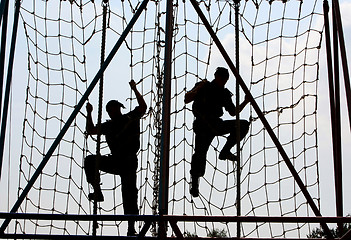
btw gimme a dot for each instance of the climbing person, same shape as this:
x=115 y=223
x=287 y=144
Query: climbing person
x=122 y=134
x=209 y=99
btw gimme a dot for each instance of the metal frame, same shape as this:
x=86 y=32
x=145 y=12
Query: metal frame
x=163 y=218
x=148 y=219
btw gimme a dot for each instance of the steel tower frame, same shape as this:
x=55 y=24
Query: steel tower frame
x=163 y=218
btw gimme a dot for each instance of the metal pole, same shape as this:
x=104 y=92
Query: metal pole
x=8 y=82
x=165 y=136
x=74 y=113
x=237 y=93
x=3 y=50
x=332 y=93
x=337 y=160
x=166 y=112
x=2 y=8
x=261 y=116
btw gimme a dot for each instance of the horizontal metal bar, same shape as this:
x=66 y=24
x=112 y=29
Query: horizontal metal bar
x=257 y=219
x=63 y=237
x=77 y=217
x=176 y=218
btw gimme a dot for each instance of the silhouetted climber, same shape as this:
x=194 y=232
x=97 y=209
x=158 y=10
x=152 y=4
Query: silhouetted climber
x=209 y=100
x=122 y=133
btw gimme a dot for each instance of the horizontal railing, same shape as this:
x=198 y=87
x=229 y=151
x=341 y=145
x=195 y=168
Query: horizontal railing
x=148 y=219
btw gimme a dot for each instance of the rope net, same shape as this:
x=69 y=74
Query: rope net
x=279 y=51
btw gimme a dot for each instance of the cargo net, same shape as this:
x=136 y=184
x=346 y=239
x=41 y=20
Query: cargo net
x=279 y=50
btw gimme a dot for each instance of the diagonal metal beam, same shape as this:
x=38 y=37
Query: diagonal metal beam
x=74 y=113
x=2 y=8
x=9 y=74
x=3 y=48
x=144 y=230
x=337 y=15
x=346 y=236
x=260 y=115
x=176 y=230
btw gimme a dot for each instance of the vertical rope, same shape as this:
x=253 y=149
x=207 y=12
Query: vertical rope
x=158 y=126
x=101 y=91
